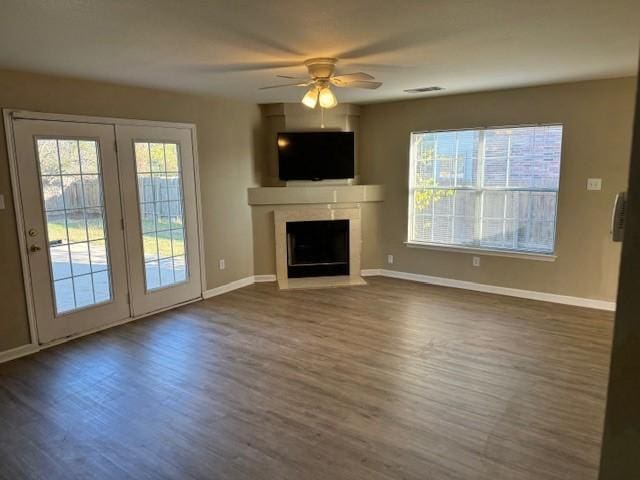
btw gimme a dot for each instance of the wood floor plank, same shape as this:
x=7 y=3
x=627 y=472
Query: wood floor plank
x=393 y=380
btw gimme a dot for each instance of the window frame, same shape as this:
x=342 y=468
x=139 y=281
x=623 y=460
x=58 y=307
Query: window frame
x=478 y=249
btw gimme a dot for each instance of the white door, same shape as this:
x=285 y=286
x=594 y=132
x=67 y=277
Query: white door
x=159 y=197
x=68 y=176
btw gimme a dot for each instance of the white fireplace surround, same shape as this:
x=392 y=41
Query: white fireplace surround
x=282 y=216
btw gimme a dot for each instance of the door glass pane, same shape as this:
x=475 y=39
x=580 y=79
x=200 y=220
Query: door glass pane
x=71 y=182
x=161 y=205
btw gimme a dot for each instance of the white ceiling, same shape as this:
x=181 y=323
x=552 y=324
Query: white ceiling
x=230 y=48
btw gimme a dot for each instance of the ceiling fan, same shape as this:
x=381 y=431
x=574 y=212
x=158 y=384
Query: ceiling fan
x=321 y=77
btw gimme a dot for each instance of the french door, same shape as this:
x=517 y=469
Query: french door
x=111 y=228
x=159 y=196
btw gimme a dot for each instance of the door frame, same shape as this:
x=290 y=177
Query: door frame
x=9 y=115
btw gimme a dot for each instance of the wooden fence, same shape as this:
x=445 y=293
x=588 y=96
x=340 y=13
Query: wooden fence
x=165 y=194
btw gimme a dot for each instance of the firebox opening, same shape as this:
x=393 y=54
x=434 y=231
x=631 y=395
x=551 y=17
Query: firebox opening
x=317 y=248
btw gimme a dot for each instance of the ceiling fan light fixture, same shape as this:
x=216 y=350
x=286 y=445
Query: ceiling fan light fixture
x=310 y=99
x=327 y=98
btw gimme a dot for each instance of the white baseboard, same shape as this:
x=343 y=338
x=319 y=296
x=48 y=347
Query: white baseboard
x=371 y=272
x=264 y=278
x=243 y=282
x=481 y=287
x=18 y=352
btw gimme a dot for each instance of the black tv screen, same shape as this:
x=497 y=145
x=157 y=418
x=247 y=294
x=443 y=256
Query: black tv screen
x=315 y=155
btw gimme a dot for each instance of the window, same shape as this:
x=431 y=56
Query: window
x=161 y=205
x=490 y=189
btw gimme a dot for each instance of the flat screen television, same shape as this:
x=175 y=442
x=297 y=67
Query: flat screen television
x=315 y=155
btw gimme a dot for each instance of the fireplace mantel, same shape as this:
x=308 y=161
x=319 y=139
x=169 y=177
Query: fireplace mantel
x=320 y=194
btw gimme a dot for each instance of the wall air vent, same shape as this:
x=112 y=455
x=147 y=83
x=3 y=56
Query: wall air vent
x=424 y=89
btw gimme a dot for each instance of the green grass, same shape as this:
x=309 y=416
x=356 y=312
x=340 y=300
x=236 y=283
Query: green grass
x=77 y=233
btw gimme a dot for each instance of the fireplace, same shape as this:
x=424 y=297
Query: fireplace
x=317 y=248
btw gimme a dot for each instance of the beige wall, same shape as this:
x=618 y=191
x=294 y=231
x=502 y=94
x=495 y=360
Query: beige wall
x=227 y=134
x=597 y=118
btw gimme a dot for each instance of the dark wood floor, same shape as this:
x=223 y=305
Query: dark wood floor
x=395 y=380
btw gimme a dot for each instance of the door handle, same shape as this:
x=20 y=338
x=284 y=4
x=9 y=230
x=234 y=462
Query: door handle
x=34 y=248
x=618 y=217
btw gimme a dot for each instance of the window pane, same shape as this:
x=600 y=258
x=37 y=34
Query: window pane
x=177 y=242
x=72 y=191
x=148 y=217
x=156 y=151
x=496 y=152
x=98 y=252
x=56 y=227
x=150 y=246
x=95 y=223
x=161 y=213
x=180 y=268
x=83 y=287
x=48 y=157
x=65 y=300
x=52 y=193
x=101 y=285
x=76 y=226
x=69 y=156
x=467 y=158
x=173 y=187
x=152 y=275
x=142 y=157
x=166 y=271
x=88 y=156
x=445 y=159
x=91 y=191
x=60 y=261
x=159 y=181
x=171 y=156
x=80 y=262
x=490 y=188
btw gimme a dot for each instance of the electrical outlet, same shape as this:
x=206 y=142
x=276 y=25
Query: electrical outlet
x=389 y=259
x=594 y=184
x=221 y=264
x=476 y=261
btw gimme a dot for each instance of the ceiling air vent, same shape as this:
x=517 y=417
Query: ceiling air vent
x=424 y=89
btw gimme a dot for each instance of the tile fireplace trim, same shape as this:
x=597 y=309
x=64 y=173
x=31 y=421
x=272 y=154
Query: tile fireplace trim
x=282 y=216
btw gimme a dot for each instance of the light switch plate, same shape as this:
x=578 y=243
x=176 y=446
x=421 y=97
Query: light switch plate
x=594 y=184
x=2 y=207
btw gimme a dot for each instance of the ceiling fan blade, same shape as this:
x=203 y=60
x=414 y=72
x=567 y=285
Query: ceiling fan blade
x=297 y=84
x=292 y=78
x=360 y=84
x=247 y=67
x=350 y=77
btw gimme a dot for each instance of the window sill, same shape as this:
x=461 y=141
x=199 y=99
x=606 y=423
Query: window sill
x=544 y=257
